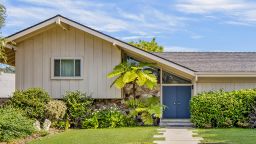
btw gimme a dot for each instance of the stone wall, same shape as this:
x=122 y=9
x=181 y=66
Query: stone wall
x=141 y=91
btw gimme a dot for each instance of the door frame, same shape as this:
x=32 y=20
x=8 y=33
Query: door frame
x=162 y=84
x=174 y=85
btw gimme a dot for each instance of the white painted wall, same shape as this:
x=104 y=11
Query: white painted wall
x=33 y=62
x=227 y=84
x=7 y=84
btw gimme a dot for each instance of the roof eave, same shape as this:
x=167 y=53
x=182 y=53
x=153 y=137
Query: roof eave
x=58 y=18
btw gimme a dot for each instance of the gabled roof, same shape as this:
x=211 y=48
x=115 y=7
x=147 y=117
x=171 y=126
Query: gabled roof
x=61 y=19
x=214 y=61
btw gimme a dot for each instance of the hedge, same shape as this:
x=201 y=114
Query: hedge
x=222 y=109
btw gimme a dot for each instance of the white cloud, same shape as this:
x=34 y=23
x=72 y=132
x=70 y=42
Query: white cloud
x=179 y=49
x=104 y=16
x=238 y=11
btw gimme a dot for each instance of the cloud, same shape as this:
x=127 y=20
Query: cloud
x=179 y=49
x=238 y=11
x=104 y=16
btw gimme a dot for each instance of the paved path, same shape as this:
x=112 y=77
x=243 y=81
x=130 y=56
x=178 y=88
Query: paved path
x=177 y=136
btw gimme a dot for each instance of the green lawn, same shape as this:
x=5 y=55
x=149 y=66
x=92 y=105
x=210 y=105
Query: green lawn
x=229 y=135
x=137 y=135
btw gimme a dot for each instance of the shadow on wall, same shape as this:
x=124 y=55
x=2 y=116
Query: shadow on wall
x=7 y=84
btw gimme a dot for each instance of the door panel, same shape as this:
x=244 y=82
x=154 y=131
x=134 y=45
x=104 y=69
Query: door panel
x=183 y=95
x=169 y=97
x=176 y=99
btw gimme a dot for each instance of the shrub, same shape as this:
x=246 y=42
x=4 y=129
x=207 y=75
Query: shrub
x=32 y=101
x=148 y=109
x=55 y=110
x=13 y=124
x=252 y=117
x=78 y=107
x=107 y=117
x=222 y=109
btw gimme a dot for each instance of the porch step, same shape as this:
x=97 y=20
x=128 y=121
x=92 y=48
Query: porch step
x=176 y=123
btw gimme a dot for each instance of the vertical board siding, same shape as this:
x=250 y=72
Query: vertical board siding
x=204 y=87
x=33 y=62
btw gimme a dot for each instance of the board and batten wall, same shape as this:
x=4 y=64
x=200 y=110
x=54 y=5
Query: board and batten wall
x=33 y=62
x=227 y=84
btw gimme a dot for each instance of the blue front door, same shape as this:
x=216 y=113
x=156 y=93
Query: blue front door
x=176 y=99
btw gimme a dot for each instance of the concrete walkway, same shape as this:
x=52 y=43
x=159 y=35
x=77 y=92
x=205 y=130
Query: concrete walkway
x=177 y=136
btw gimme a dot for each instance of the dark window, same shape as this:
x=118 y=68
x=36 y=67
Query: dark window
x=67 y=67
x=169 y=78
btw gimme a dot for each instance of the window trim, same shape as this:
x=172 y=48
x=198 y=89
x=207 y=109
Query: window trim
x=67 y=78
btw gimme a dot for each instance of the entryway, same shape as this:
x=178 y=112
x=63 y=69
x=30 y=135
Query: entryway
x=176 y=99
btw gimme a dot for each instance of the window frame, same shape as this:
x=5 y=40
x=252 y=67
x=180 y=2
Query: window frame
x=67 y=77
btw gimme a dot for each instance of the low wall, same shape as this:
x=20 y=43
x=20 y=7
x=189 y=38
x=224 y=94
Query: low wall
x=7 y=84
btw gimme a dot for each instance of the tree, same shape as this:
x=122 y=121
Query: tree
x=2 y=40
x=133 y=73
x=151 y=46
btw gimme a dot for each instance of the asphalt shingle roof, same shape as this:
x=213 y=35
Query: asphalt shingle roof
x=214 y=61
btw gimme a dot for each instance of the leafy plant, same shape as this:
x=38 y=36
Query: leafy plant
x=133 y=73
x=147 y=108
x=13 y=124
x=78 y=107
x=108 y=117
x=222 y=109
x=252 y=118
x=55 y=110
x=151 y=46
x=32 y=101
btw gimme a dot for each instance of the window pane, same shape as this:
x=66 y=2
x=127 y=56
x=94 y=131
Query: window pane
x=77 y=67
x=173 y=79
x=67 y=68
x=57 y=68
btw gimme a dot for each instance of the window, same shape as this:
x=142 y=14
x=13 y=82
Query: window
x=169 y=78
x=66 y=68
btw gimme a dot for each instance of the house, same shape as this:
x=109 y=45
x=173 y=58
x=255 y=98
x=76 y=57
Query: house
x=60 y=54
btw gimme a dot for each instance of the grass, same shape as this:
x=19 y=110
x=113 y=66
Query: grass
x=136 y=135
x=228 y=135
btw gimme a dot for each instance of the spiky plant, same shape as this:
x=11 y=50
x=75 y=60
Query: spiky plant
x=133 y=73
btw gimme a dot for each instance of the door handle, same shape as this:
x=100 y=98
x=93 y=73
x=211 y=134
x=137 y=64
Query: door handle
x=174 y=103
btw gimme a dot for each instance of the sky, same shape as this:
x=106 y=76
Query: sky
x=178 y=25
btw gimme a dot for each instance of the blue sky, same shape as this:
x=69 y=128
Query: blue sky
x=178 y=25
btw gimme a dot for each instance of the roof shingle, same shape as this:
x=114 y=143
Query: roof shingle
x=214 y=61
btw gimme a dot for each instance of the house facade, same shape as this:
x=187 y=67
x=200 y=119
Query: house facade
x=62 y=55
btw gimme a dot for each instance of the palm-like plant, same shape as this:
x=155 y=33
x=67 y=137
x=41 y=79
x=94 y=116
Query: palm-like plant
x=133 y=73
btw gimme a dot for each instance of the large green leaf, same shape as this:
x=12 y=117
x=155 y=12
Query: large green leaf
x=129 y=76
x=115 y=73
x=148 y=75
x=119 y=82
x=150 y=84
x=141 y=79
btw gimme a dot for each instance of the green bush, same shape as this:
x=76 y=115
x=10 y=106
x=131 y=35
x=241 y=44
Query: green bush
x=107 y=117
x=55 y=110
x=222 y=109
x=13 y=124
x=32 y=101
x=78 y=107
x=145 y=108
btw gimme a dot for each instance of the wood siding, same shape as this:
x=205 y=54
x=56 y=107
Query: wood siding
x=33 y=61
x=227 y=84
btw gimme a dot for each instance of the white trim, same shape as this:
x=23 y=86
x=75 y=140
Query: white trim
x=123 y=45
x=30 y=30
x=226 y=74
x=67 y=78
